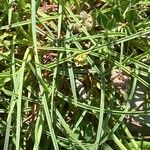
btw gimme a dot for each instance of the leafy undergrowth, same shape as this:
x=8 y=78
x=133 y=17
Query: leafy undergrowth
x=74 y=74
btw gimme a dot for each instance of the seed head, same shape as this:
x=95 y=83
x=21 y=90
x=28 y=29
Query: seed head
x=120 y=81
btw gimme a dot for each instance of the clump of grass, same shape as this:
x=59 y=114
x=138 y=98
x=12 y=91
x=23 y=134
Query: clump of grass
x=57 y=86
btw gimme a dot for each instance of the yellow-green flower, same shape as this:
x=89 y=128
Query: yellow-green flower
x=80 y=60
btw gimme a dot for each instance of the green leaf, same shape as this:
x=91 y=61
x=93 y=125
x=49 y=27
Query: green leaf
x=102 y=20
x=89 y=132
x=131 y=16
x=110 y=24
x=117 y=14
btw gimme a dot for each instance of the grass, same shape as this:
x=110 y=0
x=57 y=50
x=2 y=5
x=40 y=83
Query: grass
x=72 y=72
